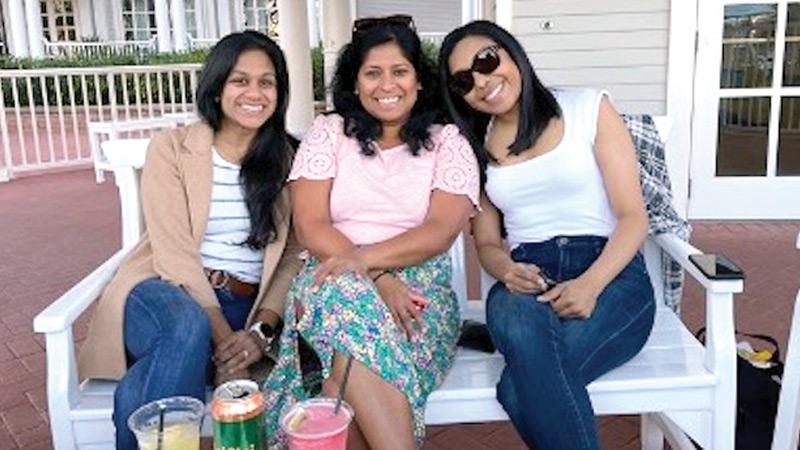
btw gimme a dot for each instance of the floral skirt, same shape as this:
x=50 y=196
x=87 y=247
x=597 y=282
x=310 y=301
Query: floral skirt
x=347 y=315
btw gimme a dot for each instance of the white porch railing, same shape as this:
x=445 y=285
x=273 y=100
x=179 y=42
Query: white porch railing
x=99 y=48
x=434 y=38
x=44 y=112
x=199 y=43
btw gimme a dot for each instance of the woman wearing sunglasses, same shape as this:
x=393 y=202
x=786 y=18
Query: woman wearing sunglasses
x=560 y=183
x=381 y=192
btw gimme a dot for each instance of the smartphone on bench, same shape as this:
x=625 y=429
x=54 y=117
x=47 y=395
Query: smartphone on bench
x=717 y=267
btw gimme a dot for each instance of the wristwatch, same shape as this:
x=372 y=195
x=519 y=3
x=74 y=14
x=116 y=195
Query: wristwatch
x=265 y=332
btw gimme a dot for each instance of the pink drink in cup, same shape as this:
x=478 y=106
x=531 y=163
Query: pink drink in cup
x=312 y=424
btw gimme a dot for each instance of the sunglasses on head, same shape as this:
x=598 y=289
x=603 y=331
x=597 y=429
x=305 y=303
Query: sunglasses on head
x=367 y=23
x=484 y=62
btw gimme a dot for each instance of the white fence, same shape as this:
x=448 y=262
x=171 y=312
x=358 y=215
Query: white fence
x=44 y=112
x=99 y=48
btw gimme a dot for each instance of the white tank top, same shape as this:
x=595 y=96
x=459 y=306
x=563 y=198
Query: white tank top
x=560 y=192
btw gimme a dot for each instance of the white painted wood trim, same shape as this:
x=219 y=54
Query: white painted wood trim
x=680 y=87
x=787 y=421
x=777 y=83
x=504 y=13
x=706 y=80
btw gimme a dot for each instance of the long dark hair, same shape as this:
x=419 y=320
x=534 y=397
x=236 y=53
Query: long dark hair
x=537 y=104
x=266 y=164
x=358 y=122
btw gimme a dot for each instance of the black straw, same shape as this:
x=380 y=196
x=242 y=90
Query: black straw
x=344 y=385
x=161 y=409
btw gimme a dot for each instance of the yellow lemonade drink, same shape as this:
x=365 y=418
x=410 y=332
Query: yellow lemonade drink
x=176 y=436
x=179 y=419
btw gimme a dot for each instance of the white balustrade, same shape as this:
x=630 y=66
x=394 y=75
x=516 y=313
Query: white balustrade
x=88 y=49
x=44 y=113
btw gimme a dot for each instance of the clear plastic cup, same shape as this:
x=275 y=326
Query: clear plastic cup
x=181 y=430
x=312 y=425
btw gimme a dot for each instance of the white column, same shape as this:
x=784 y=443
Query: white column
x=223 y=18
x=85 y=19
x=237 y=22
x=162 y=26
x=293 y=37
x=33 y=20
x=206 y=27
x=114 y=18
x=313 y=22
x=178 y=10
x=18 y=31
x=336 y=32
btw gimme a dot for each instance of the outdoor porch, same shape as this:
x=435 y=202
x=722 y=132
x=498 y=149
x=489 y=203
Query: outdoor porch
x=56 y=228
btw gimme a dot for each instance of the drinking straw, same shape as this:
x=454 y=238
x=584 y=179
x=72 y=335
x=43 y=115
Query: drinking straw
x=161 y=409
x=344 y=385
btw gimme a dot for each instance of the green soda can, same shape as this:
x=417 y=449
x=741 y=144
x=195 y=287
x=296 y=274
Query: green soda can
x=238 y=412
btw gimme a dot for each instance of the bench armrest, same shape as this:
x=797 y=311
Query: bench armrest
x=680 y=250
x=61 y=314
x=56 y=323
x=720 y=343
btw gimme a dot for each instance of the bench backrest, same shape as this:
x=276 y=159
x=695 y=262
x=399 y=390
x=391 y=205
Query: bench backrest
x=127 y=157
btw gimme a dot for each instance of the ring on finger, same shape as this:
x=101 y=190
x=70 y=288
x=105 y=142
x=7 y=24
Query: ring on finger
x=246 y=354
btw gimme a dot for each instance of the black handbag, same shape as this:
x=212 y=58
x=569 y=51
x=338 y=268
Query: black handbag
x=757 y=391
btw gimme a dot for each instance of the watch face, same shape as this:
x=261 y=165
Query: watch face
x=267 y=330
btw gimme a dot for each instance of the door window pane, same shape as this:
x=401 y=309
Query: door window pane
x=791 y=60
x=748 y=46
x=742 y=142
x=789 y=138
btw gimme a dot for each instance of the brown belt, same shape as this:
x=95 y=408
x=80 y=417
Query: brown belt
x=223 y=279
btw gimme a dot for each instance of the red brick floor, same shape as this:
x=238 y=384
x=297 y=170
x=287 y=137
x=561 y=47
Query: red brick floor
x=55 y=228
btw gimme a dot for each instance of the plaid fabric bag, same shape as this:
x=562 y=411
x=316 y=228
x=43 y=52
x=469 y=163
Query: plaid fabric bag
x=657 y=192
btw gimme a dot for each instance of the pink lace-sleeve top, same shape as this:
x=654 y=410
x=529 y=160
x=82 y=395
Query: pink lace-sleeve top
x=374 y=198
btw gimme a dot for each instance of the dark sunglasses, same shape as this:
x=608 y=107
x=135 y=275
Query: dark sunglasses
x=367 y=23
x=484 y=62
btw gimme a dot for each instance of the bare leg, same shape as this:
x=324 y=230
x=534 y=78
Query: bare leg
x=382 y=412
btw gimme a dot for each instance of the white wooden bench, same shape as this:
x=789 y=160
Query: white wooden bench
x=101 y=131
x=675 y=384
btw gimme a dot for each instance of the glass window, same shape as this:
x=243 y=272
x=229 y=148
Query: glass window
x=789 y=138
x=743 y=130
x=58 y=20
x=139 y=19
x=748 y=45
x=191 y=18
x=261 y=15
x=791 y=59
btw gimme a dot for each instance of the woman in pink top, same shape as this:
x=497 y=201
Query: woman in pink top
x=380 y=194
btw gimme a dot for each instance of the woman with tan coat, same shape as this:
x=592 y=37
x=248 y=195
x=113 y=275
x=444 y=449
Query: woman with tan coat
x=205 y=286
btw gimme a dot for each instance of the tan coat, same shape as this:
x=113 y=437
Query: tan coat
x=176 y=194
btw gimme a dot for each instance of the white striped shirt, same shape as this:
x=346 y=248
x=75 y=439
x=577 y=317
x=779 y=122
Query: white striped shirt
x=229 y=226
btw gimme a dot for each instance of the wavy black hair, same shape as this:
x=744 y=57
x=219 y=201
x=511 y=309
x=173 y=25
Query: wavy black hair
x=266 y=164
x=358 y=122
x=537 y=104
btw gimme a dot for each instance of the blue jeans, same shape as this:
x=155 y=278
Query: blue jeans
x=550 y=360
x=168 y=345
